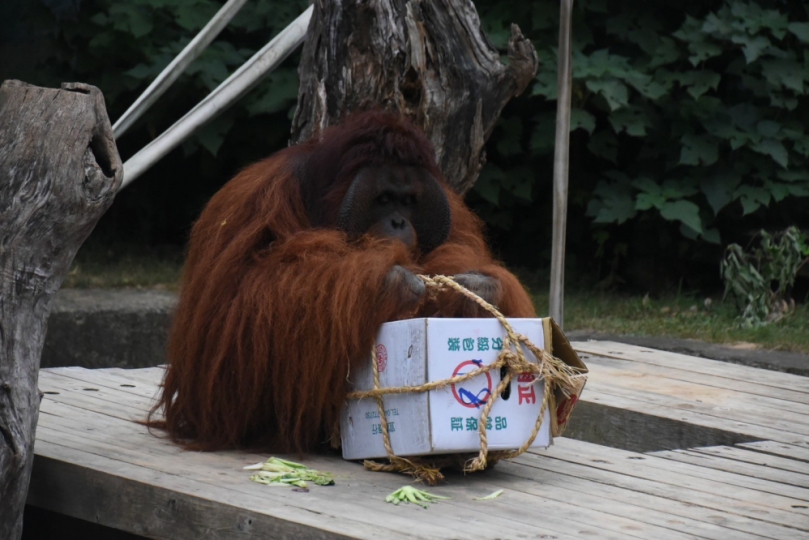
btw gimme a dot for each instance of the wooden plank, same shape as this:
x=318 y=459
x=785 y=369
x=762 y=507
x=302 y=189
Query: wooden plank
x=767 y=396
x=719 y=509
x=582 y=489
x=224 y=470
x=759 y=504
x=591 y=495
x=795 y=383
x=727 y=416
x=118 y=446
x=221 y=478
x=797 y=451
x=786 y=483
x=213 y=469
x=657 y=406
x=635 y=430
x=646 y=498
x=514 y=510
x=134 y=499
x=749 y=456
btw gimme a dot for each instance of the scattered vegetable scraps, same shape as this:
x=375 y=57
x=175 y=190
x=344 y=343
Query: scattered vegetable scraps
x=490 y=497
x=409 y=494
x=281 y=472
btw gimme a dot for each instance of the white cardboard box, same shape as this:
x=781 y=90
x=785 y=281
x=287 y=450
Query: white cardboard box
x=445 y=421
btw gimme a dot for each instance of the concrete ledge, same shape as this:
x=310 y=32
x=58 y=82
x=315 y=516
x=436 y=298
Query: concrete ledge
x=125 y=328
x=96 y=328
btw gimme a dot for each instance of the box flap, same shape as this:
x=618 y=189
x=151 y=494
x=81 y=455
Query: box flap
x=564 y=399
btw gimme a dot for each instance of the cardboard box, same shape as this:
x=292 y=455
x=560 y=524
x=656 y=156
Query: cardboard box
x=445 y=421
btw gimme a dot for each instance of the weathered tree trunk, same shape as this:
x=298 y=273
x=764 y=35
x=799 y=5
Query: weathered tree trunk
x=59 y=171
x=428 y=59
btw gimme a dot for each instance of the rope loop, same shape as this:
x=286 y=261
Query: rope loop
x=547 y=370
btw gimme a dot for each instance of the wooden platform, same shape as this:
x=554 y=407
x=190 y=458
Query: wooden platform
x=95 y=463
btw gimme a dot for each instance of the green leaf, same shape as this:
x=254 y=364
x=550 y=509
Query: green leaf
x=753 y=46
x=613 y=201
x=213 y=135
x=802 y=146
x=768 y=128
x=773 y=148
x=614 y=91
x=616 y=210
x=699 y=82
x=580 y=118
x=604 y=144
x=684 y=211
x=798 y=191
x=800 y=30
x=752 y=197
x=698 y=150
x=665 y=53
x=779 y=191
x=712 y=236
x=279 y=93
x=702 y=50
x=630 y=119
x=193 y=16
x=647 y=201
x=783 y=72
x=545 y=84
x=141 y=71
x=719 y=190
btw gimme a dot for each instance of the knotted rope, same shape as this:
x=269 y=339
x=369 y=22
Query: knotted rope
x=548 y=370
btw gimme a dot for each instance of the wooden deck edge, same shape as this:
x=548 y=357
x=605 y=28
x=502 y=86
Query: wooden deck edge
x=121 y=503
x=638 y=432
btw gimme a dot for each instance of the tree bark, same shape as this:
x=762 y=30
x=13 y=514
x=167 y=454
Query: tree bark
x=428 y=59
x=59 y=171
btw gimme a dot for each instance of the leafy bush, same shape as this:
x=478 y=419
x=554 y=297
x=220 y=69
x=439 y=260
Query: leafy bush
x=688 y=120
x=759 y=280
x=685 y=113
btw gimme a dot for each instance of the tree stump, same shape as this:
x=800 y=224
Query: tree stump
x=428 y=59
x=59 y=172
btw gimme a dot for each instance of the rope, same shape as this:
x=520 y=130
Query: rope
x=548 y=368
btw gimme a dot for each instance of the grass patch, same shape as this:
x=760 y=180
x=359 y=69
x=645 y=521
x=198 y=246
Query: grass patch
x=677 y=316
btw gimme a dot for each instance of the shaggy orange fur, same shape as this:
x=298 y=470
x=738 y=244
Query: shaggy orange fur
x=274 y=311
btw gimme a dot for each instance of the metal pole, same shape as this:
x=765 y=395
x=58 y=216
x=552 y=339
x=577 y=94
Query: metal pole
x=560 y=164
x=177 y=66
x=227 y=93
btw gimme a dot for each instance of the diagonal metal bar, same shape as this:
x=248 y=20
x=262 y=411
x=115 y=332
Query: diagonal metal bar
x=561 y=162
x=227 y=93
x=177 y=66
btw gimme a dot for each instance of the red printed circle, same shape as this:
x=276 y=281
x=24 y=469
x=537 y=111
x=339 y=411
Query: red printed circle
x=472 y=398
x=381 y=357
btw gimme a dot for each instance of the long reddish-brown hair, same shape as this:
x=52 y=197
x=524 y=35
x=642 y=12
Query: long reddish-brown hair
x=277 y=305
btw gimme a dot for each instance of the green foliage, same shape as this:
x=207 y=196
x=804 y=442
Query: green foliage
x=759 y=280
x=681 y=111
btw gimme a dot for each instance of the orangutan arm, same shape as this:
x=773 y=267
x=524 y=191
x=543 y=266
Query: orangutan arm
x=260 y=352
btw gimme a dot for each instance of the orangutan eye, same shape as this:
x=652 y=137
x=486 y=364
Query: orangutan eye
x=383 y=199
x=408 y=200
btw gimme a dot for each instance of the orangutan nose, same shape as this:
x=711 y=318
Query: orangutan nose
x=398 y=223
